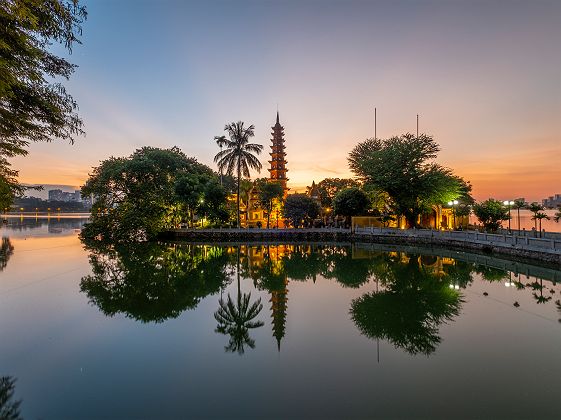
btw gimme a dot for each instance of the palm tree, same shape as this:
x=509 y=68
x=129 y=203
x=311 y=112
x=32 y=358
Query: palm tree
x=557 y=216
x=220 y=141
x=535 y=208
x=539 y=216
x=238 y=154
x=518 y=204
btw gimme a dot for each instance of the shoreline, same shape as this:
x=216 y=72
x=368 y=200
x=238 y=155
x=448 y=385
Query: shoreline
x=489 y=245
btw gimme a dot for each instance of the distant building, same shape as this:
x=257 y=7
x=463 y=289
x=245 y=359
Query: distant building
x=552 y=202
x=56 y=195
x=67 y=197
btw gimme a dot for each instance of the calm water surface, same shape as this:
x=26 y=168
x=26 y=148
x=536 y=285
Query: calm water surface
x=276 y=331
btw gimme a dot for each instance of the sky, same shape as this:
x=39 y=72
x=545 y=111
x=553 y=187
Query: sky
x=484 y=77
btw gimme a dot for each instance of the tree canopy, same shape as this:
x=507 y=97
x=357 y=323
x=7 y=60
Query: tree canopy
x=300 y=209
x=34 y=105
x=137 y=197
x=329 y=187
x=403 y=167
x=491 y=213
x=351 y=202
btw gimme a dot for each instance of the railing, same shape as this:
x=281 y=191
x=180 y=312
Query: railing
x=549 y=245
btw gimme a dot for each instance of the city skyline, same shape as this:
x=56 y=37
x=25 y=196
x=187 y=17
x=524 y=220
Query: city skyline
x=482 y=76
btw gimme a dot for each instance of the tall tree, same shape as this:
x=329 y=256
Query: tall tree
x=403 y=167
x=535 y=208
x=268 y=192
x=238 y=154
x=34 y=105
x=539 y=216
x=518 y=204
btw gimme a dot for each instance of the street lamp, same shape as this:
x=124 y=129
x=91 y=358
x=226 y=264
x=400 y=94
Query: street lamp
x=508 y=204
x=453 y=204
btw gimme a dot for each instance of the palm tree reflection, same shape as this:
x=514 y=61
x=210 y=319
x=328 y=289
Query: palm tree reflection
x=236 y=319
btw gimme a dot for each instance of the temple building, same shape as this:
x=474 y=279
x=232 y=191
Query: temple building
x=252 y=215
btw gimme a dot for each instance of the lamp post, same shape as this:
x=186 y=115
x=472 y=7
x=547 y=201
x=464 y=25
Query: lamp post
x=509 y=204
x=453 y=204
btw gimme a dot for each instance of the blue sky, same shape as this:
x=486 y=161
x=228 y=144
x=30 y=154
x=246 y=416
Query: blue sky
x=483 y=75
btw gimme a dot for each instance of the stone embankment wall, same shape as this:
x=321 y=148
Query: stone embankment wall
x=547 y=251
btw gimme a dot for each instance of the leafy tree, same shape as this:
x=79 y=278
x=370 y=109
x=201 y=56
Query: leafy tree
x=189 y=188
x=214 y=204
x=268 y=192
x=34 y=105
x=238 y=156
x=135 y=197
x=490 y=213
x=329 y=187
x=351 y=202
x=9 y=409
x=518 y=204
x=403 y=168
x=300 y=209
x=150 y=282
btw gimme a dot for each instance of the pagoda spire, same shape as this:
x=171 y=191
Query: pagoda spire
x=278 y=156
x=279 y=301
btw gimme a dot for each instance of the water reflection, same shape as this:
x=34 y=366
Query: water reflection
x=414 y=301
x=404 y=296
x=56 y=225
x=152 y=282
x=9 y=408
x=237 y=319
x=6 y=251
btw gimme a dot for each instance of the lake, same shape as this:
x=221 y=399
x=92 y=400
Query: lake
x=175 y=330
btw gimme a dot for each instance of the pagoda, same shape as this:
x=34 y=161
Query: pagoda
x=279 y=303
x=278 y=156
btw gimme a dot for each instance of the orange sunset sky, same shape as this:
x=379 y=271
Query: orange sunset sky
x=485 y=78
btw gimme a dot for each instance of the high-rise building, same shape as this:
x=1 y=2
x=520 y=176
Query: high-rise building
x=552 y=201
x=278 y=156
x=56 y=195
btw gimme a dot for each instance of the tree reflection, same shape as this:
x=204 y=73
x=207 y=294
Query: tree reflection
x=237 y=319
x=9 y=409
x=491 y=274
x=6 y=251
x=152 y=282
x=411 y=308
x=538 y=286
x=345 y=270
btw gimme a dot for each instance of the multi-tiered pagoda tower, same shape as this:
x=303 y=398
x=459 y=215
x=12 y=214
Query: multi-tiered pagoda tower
x=278 y=156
